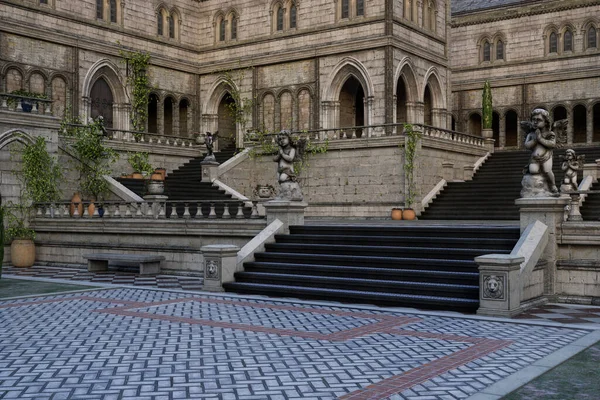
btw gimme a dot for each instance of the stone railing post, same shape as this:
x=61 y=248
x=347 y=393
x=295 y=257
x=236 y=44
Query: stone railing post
x=549 y=211
x=448 y=171
x=288 y=212
x=220 y=261
x=499 y=285
x=468 y=172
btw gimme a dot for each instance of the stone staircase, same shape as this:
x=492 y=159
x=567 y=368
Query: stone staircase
x=185 y=183
x=492 y=193
x=410 y=265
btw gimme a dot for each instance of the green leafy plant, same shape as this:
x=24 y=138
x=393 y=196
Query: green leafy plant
x=24 y=93
x=68 y=121
x=17 y=220
x=139 y=84
x=94 y=159
x=487 y=106
x=140 y=162
x=240 y=108
x=410 y=152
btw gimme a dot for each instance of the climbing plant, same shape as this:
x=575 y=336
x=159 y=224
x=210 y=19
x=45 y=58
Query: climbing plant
x=410 y=153
x=487 y=106
x=138 y=83
x=241 y=107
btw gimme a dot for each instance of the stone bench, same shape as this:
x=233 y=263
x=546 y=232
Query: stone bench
x=149 y=264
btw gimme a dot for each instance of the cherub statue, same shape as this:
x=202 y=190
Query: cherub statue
x=209 y=141
x=539 y=179
x=571 y=165
x=289 y=151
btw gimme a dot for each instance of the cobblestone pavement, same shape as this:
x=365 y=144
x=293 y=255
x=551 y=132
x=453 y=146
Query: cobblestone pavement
x=128 y=343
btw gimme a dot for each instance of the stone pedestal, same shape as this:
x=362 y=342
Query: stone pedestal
x=499 y=285
x=220 y=262
x=468 y=172
x=209 y=169
x=288 y=212
x=487 y=133
x=489 y=144
x=448 y=171
x=550 y=212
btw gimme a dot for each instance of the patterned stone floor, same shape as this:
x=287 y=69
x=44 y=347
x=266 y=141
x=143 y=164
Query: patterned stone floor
x=129 y=343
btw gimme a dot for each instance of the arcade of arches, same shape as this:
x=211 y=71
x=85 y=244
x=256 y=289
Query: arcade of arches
x=584 y=124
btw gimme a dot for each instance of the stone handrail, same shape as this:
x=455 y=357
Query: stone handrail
x=14 y=102
x=366 y=131
x=150 y=209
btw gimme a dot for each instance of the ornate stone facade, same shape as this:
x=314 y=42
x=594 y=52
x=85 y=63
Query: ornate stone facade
x=288 y=64
x=535 y=56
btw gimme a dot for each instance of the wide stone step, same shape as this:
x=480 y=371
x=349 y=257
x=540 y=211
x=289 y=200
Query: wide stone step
x=463 y=231
x=390 y=251
x=373 y=297
x=357 y=284
x=436 y=276
x=442 y=242
x=376 y=261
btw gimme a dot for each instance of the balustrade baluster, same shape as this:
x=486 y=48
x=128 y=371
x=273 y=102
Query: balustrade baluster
x=48 y=213
x=213 y=213
x=149 y=210
x=226 y=213
x=66 y=213
x=159 y=140
x=127 y=210
x=138 y=212
x=96 y=213
x=240 y=211
x=48 y=108
x=186 y=211
x=117 y=210
x=254 y=210
x=76 y=209
x=4 y=105
x=36 y=109
x=167 y=142
x=162 y=210
x=39 y=213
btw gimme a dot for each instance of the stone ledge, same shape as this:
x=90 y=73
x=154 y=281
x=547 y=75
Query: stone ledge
x=580 y=265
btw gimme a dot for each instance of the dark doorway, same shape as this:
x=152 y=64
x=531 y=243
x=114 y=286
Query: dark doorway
x=496 y=128
x=102 y=102
x=168 y=116
x=401 y=99
x=226 y=121
x=512 y=129
x=427 y=107
x=579 y=124
x=153 y=113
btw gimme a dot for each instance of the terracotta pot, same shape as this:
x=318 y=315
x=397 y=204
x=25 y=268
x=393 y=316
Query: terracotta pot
x=409 y=214
x=161 y=171
x=156 y=176
x=91 y=208
x=76 y=202
x=22 y=253
x=137 y=175
x=396 y=214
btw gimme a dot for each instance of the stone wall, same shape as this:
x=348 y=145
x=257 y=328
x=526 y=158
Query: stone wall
x=358 y=177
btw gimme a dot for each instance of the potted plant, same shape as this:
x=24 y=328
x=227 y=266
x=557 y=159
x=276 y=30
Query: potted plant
x=411 y=142
x=39 y=177
x=26 y=98
x=94 y=159
x=140 y=163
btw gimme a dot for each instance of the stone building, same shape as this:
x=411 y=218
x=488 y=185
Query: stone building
x=535 y=54
x=306 y=64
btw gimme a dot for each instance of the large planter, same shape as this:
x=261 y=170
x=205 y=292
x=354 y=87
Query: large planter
x=76 y=204
x=409 y=214
x=22 y=253
x=26 y=105
x=155 y=187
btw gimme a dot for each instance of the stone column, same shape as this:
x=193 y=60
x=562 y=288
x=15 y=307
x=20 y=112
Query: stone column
x=468 y=172
x=175 y=107
x=502 y=134
x=499 y=284
x=190 y=121
x=550 y=212
x=448 y=171
x=411 y=112
x=220 y=262
x=570 y=124
x=160 y=116
x=437 y=117
x=419 y=113
x=589 y=125
x=288 y=212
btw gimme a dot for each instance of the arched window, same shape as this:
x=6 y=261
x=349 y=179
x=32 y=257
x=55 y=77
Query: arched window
x=345 y=9
x=487 y=51
x=159 y=23
x=100 y=9
x=113 y=11
x=568 y=41
x=499 y=50
x=222 y=30
x=553 y=43
x=360 y=7
x=280 y=18
x=293 y=16
x=171 y=27
x=592 y=39
x=233 y=27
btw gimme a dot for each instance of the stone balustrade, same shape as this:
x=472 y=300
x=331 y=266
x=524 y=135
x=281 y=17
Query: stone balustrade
x=169 y=209
x=150 y=138
x=17 y=103
x=362 y=132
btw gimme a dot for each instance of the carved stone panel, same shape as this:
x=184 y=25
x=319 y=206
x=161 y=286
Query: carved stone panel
x=494 y=287
x=212 y=269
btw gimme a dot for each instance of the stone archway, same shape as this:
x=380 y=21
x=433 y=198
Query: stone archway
x=475 y=124
x=352 y=105
x=438 y=100
x=226 y=122
x=406 y=93
x=101 y=102
x=106 y=71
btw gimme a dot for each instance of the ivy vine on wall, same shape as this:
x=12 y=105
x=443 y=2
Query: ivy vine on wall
x=139 y=84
